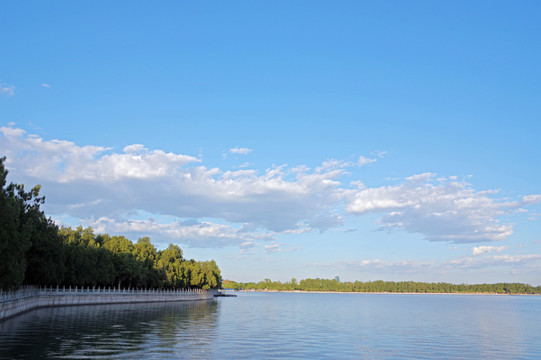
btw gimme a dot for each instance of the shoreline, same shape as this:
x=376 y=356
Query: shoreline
x=383 y=292
x=25 y=300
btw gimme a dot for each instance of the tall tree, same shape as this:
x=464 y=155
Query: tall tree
x=170 y=262
x=123 y=259
x=46 y=256
x=146 y=256
x=20 y=216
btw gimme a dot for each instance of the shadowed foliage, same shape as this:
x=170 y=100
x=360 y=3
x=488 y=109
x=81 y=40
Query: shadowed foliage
x=34 y=251
x=384 y=286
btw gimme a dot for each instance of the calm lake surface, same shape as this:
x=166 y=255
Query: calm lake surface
x=285 y=325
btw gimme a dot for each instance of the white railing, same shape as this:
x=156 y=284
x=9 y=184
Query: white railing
x=30 y=291
x=22 y=293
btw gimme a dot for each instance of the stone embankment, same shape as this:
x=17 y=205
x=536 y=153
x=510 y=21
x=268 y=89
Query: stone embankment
x=17 y=302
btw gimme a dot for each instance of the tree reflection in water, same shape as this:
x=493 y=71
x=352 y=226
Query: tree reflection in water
x=110 y=331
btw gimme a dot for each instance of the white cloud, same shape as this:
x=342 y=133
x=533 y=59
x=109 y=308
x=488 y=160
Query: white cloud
x=240 y=150
x=94 y=182
x=112 y=184
x=365 y=161
x=300 y=230
x=134 y=149
x=531 y=199
x=441 y=209
x=248 y=245
x=8 y=90
x=420 y=268
x=394 y=266
x=46 y=85
x=193 y=233
x=534 y=216
x=63 y=161
x=378 y=266
x=479 y=250
x=247 y=248
x=477 y=262
x=275 y=248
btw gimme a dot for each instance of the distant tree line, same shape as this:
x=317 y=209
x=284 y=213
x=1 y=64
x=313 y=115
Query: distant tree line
x=35 y=251
x=383 y=286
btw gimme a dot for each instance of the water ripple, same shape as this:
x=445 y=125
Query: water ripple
x=292 y=326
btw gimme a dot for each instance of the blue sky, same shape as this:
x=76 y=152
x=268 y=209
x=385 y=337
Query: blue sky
x=370 y=140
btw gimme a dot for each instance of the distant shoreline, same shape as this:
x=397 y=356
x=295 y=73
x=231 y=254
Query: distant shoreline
x=383 y=292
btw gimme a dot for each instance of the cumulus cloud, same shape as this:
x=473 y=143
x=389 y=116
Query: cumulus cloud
x=104 y=187
x=442 y=209
x=64 y=161
x=240 y=150
x=92 y=182
x=7 y=90
x=479 y=250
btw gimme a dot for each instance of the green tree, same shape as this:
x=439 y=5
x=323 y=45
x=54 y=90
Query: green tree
x=46 y=257
x=20 y=216
x=170 y=263
x=34 y=251
x=123 y=259
x=212 y=278
x=146 y=275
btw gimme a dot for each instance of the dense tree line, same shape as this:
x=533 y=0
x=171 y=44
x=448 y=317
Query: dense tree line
x=383 y=286
x=34 y=251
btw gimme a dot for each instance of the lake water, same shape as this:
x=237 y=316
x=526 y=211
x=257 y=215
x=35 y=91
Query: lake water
x=285 y=325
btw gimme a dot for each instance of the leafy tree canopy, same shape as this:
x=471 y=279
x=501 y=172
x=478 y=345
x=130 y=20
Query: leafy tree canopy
x=34 y=251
